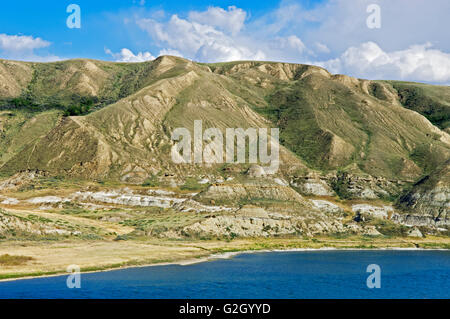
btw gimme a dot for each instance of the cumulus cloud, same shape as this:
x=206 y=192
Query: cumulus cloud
x=412 y=43
x=199 y=41
x=180 y=34
x=22 y=47
x=418 y=63
x=341 y=24
x=292 y=42
x=331 y=33
x=126 y=55
x=216 y=51
x=20 y=43
x=321 y=48
x=231 y=20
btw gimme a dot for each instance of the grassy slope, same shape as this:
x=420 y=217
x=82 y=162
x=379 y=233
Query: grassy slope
x=19 y=128
x=431 y=101
x=334 y=125
x=66 y=84
x=435 y=188
x=330 y=122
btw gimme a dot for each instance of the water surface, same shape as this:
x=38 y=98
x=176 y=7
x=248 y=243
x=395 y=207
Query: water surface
x=305 y=274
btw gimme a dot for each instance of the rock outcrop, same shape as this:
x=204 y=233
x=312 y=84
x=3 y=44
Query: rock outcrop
x=364 y=210
x=12 y=225
x=428 y=203
x=250 y=191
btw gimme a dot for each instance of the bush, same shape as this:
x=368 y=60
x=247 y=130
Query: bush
x=389 y=228
x=340 y=185
x=76 y=110
x=192 y=184
x=8 y=260
x=152 y=181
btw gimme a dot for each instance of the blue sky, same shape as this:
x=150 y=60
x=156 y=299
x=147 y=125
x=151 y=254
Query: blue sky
x=410 y=42
x=102 y=22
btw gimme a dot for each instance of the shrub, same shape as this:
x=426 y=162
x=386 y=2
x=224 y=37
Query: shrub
x=152 y=181
x=340 y=185
x=8 y=260
x=76 y=110
x=192 y=184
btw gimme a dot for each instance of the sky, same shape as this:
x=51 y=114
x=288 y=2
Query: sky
x=374 y=39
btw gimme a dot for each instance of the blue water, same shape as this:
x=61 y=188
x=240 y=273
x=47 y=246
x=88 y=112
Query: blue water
x=310 y=274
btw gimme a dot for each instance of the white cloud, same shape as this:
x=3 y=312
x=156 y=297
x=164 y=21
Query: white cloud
x=341 y=24
x=22 y=47
x=321 y=48
x=199 y=41
x=332 y=33
x=216 y=51
x=21 y=43
x=126 y=55
x=231 y=20
x=418 y=63
x=180 y=34
x=292 y=42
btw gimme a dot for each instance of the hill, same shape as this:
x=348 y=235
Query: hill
x=349 y=147
x=328 y=121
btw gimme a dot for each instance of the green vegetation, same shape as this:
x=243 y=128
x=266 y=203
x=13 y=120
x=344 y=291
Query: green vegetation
x=78 y=87
x=71 y=106
x=152 y=181
x=349 y=131
x=19 y=128
x=340 y=185
x=290 y=110
x=303 y=116
x=8 y=260
x=83 y=107
x=422 y=156
x=389 y=228
x=430 y=101
x=328 y=122
x=376 y=90
x=192 y=184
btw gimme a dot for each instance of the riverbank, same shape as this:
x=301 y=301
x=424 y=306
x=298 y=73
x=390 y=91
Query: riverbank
x=53 y=258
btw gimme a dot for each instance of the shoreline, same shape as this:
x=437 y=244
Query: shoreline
x=224 y=255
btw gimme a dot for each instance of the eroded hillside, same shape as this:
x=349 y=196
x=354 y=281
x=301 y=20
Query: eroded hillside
x=341 y=138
